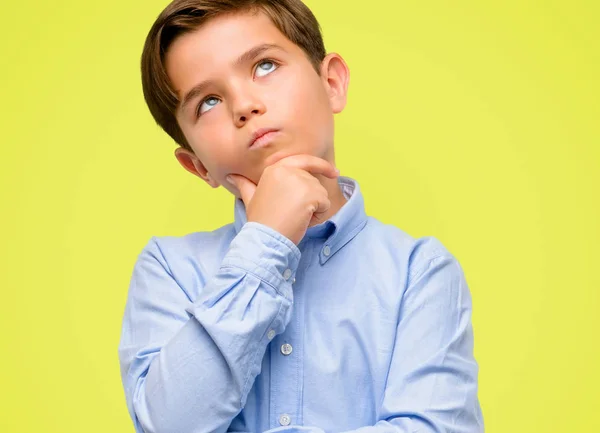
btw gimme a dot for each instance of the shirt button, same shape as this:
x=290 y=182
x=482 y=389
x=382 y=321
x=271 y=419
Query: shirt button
x=293 y=280
x=286 y=349
x=271 y=334
x=326 y=250
x=287 y=274
x=285 y=419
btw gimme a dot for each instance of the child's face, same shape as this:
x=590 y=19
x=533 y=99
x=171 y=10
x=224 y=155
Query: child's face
x=276 y=88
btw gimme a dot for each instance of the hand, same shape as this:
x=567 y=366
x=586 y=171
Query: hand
x=288 y=197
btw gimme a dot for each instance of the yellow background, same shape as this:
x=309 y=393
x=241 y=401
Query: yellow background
x=475 y=122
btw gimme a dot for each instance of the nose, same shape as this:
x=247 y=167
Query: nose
x=246 y=107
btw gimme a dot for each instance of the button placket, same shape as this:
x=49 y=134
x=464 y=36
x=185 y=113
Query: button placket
x=286 y=366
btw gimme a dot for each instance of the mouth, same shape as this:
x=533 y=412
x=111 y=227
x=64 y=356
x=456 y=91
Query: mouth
x=262 y=137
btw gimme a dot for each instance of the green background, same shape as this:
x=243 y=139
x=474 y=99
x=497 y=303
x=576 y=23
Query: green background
x=474 y=122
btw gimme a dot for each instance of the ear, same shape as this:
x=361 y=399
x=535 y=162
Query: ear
x=336 y=77
x=191 y=163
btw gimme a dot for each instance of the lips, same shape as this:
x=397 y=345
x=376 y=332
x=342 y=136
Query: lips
x=257 y=136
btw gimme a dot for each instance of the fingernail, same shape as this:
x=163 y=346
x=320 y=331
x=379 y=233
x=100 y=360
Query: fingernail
x=337 y=170
x=229 y=179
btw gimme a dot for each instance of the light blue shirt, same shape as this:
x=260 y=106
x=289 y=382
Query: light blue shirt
x=360 y=327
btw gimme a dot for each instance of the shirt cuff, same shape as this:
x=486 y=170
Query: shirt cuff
x=266 y=253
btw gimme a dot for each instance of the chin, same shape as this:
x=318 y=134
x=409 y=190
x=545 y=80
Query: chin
x=279 y=152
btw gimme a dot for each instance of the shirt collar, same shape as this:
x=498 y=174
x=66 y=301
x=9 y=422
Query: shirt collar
x=338 y=230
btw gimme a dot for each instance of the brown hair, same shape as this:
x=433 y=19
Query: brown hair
x=292 y=17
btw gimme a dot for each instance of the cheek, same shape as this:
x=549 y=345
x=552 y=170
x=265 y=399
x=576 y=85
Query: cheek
x=215 y=136
x=307 y=97
x=303 y=105
x=216 y=144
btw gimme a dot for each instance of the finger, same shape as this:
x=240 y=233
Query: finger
x=244 y=186
x=323 y=206
x=310 y=163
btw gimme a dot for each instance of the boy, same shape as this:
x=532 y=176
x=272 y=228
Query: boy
x=304 y=314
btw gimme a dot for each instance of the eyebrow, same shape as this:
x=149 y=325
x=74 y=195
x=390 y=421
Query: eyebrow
x=249 y=55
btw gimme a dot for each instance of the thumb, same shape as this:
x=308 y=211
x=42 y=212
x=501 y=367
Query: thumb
x=244 y=186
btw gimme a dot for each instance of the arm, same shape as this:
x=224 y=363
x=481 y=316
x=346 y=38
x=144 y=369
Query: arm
x=432 y=380
x=187 y=366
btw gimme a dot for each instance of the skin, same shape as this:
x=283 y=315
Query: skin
x=279 y=89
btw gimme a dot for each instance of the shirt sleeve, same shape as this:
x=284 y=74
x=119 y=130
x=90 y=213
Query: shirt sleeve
x=187 y=366
x=432 y=380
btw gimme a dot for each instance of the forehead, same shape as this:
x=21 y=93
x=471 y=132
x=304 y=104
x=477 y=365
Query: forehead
x=213 y=47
